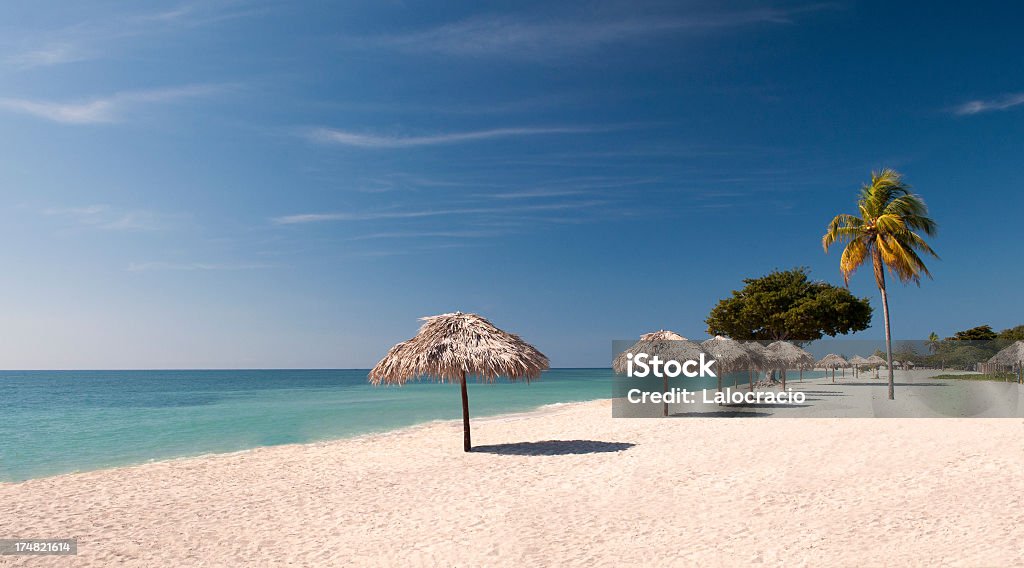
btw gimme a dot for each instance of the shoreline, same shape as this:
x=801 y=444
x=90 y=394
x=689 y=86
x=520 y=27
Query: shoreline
x=540 y=410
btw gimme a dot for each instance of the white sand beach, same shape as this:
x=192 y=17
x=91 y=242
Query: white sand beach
x=567 y=485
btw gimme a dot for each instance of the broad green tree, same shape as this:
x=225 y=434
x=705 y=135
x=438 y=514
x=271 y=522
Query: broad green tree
x=788 y=305
x=980 y=333
x=1013 y=333
x=887 y=233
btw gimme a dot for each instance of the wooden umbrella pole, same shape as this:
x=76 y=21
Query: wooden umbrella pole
x=467 y=445
x=664 y=410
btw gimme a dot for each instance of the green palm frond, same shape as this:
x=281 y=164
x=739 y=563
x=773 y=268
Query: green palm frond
x=890 y=219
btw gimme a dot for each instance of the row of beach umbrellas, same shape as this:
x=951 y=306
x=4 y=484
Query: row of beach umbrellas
x=456 y=346
x=453 y=347
x=731 y=355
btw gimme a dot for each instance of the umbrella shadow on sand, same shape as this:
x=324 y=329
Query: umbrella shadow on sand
x=554 y=448
x=882 y=384
x=721 y=414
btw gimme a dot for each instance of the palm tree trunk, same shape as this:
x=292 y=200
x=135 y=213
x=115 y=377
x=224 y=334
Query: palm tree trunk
x=876 y=258
x=888 y=343
x=467 y=445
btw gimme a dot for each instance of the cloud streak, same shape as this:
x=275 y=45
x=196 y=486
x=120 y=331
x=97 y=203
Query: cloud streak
x=53 y=54
x=191 y=266
x=1004 y=102
x=87 y=40
x=107 y=218
x=358 y=140
x=528 y=39
x=306 y=218
x=104 y=109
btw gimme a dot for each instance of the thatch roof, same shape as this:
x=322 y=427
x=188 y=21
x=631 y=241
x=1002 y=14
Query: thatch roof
x=1010 y=355
x=450 y=345
x=665 y=344
x=875 y=360
x=760 y=354
x=662 y=335
x=833 y=361
x=730 y=354
x=858 y=361
x=785 y=355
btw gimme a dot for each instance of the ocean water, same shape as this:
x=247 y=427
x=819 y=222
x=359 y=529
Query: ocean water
x=55 y=422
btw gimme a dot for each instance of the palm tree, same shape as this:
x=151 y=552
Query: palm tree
x=884 y=233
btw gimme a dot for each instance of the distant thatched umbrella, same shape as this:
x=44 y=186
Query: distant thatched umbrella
x=857 y=361
x=1011 y=356
x=874 y=362
x=833 y=361
x=667 y=345
x=760 y=355
x=450 y=347
x=731 y=356
x=785 y=355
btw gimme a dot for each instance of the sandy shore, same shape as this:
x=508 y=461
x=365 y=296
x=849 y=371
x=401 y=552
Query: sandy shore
x=566 y=486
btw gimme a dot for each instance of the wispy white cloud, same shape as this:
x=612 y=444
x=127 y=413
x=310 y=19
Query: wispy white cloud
x=1000 y=103
x=191 y=266
x=534 y=193
x=52 y=54
x=96 y=37
x=347 y=138
x=108 y=218
x=425 y=234
x=104 y=109
x=423 y=213
x=536 y=39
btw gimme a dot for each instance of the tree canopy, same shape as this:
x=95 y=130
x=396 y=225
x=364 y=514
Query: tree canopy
x=1013 y=333
x=979 y=333
x=788 y=305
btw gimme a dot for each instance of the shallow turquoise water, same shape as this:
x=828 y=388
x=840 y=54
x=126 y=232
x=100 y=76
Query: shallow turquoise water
x=62 y=421
x=55 y=422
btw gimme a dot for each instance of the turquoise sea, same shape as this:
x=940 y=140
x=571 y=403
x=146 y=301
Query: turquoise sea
x=55 y=422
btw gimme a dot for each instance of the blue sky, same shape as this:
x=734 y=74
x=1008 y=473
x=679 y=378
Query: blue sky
x=279 y=184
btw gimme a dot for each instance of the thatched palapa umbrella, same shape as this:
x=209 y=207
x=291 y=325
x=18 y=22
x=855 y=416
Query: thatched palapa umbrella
x=667 y=345
x=451 y=347
x=760 y=355
x=731 y=355
x=857 y=361
x=784 y=355
x=875 y=361
x=833 y=361
x=1011 y=356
